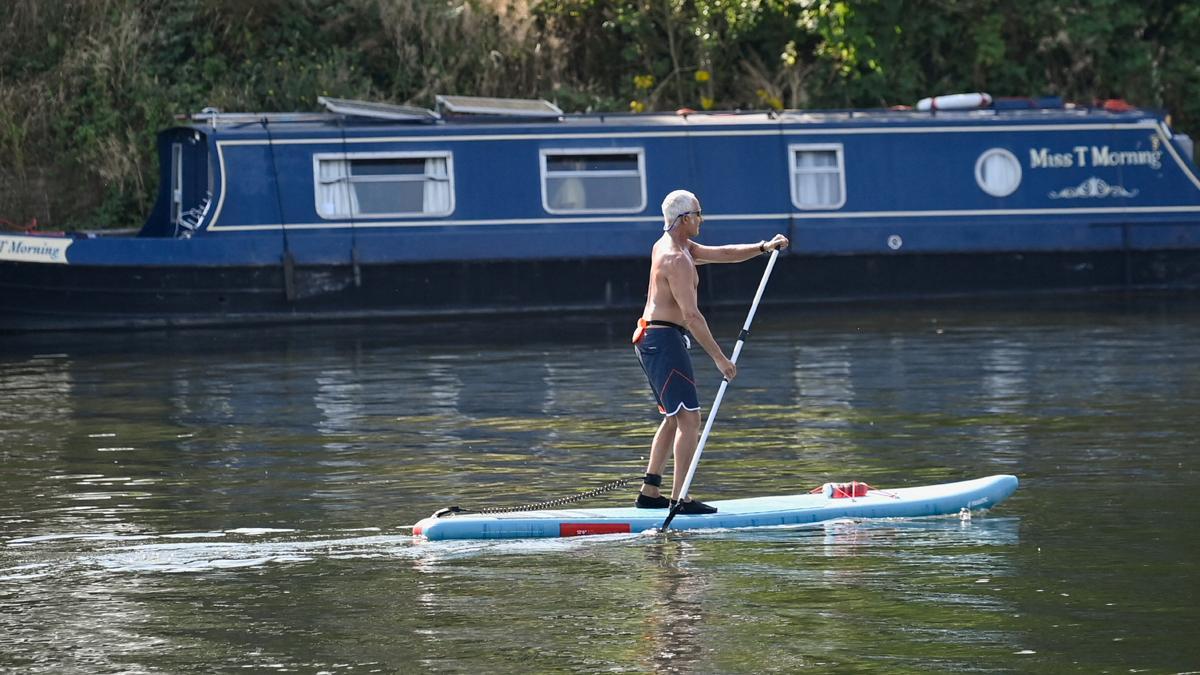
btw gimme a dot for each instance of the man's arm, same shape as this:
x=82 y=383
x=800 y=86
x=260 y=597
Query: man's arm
x=680 y=276
x=735 y=253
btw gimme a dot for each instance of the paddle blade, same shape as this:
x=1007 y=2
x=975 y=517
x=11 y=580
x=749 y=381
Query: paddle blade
x=671 y=516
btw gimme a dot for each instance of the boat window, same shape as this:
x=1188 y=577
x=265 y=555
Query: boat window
x=610 y=180
x=818 y=176
x=384 y=184
x=998 y=172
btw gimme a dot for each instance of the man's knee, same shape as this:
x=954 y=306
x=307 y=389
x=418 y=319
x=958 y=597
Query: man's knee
x=689 y=420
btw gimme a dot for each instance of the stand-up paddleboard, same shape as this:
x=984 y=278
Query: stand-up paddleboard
x=846 y=500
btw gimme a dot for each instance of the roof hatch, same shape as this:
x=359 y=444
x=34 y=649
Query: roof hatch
x=379 y=111
x=505 y=107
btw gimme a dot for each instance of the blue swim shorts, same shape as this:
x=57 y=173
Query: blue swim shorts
x=662 y=351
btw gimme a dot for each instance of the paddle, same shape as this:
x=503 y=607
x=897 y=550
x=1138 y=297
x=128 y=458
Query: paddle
x=737 y=349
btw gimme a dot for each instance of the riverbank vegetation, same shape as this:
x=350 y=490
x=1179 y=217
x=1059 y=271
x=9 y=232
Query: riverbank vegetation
x=86 y=84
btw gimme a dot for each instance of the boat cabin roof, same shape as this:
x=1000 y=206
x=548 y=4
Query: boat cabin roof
x=468 y=114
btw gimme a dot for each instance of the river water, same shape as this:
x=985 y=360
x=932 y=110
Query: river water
x=237 y=500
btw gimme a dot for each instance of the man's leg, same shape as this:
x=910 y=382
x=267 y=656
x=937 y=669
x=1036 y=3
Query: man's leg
x=664 y=438
x=687 y=435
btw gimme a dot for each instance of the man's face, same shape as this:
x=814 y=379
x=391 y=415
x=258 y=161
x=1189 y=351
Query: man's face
x=695 y=218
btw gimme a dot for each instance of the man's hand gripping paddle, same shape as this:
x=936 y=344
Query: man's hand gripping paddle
x=737 y=349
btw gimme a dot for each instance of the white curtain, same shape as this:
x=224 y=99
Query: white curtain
x=817 y=178
x=335 y=196
x=567 y=194
x=437 y=185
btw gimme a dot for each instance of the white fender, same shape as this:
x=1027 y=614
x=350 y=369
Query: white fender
x=955 y=102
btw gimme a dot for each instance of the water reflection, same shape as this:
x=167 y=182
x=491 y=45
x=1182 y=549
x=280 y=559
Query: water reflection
x=35 y=390
x=219 y=500
x=1005 y=379
x=444 y=385
x=338 y=398
x=674 y=598
x=824 y=397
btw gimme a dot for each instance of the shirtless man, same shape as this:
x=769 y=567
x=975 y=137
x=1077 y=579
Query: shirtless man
x=661 y=342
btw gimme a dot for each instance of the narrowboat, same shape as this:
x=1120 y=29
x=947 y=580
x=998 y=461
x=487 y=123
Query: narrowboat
x=486 y=206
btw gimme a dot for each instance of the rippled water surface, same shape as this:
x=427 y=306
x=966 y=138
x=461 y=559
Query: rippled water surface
x=221 y=501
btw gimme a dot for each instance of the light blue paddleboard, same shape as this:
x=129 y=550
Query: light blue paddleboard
x=929 y=500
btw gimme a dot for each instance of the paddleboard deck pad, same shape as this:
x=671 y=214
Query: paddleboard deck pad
x=851 y=500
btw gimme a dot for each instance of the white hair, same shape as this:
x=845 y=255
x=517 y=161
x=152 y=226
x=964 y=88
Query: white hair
x=675 y=205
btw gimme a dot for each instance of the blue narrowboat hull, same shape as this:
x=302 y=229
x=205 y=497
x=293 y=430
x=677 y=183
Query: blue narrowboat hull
x=338 y=217
x=69 y=297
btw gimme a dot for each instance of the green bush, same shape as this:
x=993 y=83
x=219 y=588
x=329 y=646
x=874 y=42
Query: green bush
x=86 y=84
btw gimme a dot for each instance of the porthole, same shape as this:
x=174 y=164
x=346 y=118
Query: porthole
x=998 y=172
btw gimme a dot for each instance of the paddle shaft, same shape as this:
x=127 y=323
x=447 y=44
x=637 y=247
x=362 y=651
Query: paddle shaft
x=737 y=350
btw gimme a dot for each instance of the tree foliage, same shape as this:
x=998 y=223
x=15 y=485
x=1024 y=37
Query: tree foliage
x=86 y=84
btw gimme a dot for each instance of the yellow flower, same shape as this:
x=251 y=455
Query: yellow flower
x=703 y=75
x=643 y=81
x=637 y=106
x=770 y=99
x=706 y=103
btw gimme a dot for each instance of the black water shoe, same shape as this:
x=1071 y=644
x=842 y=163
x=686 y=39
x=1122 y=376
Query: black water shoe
x=660 y=502
x=693 y=507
